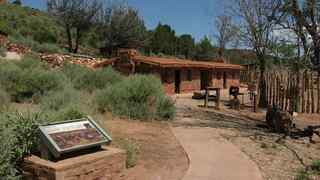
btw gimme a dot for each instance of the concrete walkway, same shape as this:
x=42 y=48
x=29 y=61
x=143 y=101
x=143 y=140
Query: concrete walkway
x=214 y=158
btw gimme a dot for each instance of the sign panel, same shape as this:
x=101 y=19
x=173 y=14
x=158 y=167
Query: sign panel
x=73 y=136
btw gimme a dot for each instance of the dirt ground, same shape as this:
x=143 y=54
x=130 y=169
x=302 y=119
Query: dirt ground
x=161 y=157
x=277 y=158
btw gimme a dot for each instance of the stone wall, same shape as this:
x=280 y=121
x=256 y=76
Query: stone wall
x=187 y=86
x=103 y=165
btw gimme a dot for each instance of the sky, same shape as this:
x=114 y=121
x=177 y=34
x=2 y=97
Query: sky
x=195 y=17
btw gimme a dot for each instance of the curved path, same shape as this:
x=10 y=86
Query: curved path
x=214 y=158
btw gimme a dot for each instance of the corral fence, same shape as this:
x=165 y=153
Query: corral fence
x=290 y=91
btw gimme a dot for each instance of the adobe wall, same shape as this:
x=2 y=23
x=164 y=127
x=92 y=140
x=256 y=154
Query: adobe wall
x=187 y=85
x=232 y=76
x=104 y=165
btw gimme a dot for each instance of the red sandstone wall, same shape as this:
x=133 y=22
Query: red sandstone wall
x=185 y=86
x=233 y=78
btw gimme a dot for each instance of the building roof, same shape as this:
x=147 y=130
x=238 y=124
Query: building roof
x=179 y=63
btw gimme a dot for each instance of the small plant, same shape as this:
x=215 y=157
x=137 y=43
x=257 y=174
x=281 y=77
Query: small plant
x=132 y=150
x=315 y=166
x=264 y=145
x=302 y=175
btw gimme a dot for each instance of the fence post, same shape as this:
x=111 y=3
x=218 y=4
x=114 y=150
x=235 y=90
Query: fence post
x=318 y=93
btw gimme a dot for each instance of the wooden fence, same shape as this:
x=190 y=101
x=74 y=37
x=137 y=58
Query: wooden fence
x=297 y=92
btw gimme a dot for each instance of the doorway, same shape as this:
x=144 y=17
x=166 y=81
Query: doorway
x=225 y=86
x=204 y=79
x=177 y=81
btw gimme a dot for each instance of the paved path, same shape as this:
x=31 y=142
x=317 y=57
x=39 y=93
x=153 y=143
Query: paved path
x=214 y=158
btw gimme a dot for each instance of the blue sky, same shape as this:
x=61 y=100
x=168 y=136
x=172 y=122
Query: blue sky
x=193 y=17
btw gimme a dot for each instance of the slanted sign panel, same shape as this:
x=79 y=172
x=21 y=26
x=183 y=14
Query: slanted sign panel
x=73 y=135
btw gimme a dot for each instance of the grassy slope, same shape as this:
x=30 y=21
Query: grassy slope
x=30 y=23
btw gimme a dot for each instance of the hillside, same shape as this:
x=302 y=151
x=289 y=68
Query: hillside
x=30 y=27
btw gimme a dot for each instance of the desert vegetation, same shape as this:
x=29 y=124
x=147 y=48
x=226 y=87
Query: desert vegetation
x=71 y=92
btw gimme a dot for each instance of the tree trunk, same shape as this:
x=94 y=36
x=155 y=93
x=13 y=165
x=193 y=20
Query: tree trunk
x=78 y=36
x=262 y=84
x=316 y=53
x=69 y=36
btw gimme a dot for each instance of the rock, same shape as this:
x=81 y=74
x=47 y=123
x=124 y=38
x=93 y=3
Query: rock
x=57 y=60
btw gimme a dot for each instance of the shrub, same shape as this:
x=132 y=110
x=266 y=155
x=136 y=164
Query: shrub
x=4 y=100
x=315 y=166
x=302 y=175
x=2 y=52
x=67 y=113
x=38 y=82
x=137 y=97
x=30 y=62
x=47 y=48
x=18 y=137
x=26 y=80
x=166 y=108
x=56 y=100
x=90 y=80
x=132 y=151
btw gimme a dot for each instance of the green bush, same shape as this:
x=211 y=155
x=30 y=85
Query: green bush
x=47 y=48
x=302 y=175
x=66 y=113
x=57 y=100
x=166 y=108
x=4 y=100
x=2 y=52
x=18 y=137
x=90 y=80
x=137 y=97
x=315 y=166
x=26 y=80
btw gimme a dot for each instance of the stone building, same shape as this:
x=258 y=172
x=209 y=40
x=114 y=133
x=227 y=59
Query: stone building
x=177 y=75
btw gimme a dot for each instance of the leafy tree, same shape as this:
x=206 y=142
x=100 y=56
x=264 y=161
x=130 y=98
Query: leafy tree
x=164 y=40
x=186 y=46
x=204 y=50
x=122 y=27
x=17 y=2
x=77 y=17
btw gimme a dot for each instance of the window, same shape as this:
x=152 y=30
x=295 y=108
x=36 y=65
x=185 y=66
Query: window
x=189 y=75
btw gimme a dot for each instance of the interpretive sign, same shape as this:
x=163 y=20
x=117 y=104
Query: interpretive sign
x=73 y=136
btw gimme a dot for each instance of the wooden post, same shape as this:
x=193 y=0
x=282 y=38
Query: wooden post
x=218 y=99
x=312 y=94
x=303 y=92
x=206 y=100
x=318 y=93
x=298 y=92
x=308 y=92
x=254 y=102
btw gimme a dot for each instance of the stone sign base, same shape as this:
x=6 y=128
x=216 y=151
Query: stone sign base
x=107 y=164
